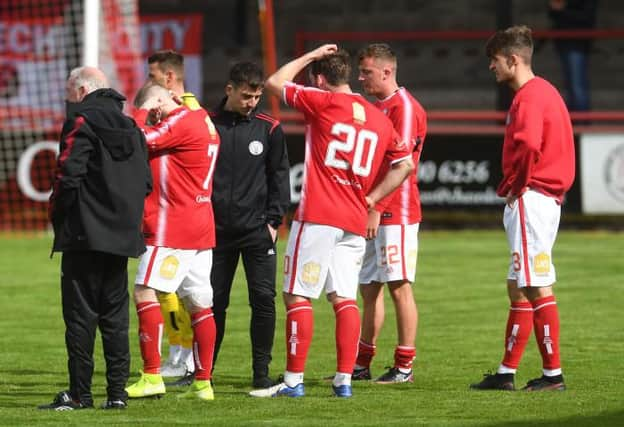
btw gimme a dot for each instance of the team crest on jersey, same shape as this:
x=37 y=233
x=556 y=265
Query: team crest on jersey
x=311 y=273
x=169 y=267
x=359 y=114
x=541 y=264
x=256 y=148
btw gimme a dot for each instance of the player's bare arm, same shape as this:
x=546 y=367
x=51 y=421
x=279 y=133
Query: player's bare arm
x=395 y=176
x=275 y=83
x=372 y=223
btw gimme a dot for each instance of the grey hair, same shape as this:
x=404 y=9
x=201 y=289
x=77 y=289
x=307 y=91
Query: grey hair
x=88 y=78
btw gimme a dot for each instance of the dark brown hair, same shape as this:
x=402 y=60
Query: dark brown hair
x=336 y=67
x=168 y=60
x=248 y=73
x=512 y=41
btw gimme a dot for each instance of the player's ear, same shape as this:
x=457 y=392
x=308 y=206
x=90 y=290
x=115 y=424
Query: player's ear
x=229 y=89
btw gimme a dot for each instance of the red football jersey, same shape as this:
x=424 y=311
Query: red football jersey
x=538 y=150
x=183 y=150
x=410 y=121
x=347 y=140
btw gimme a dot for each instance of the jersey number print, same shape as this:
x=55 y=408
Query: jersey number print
x=363 y=141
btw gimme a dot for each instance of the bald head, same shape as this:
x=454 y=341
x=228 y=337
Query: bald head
x=153 y=96
x=82 y=81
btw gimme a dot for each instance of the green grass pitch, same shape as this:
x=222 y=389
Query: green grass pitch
x=462 y=306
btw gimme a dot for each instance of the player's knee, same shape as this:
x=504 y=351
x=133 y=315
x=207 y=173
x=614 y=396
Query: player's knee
x=198 y=301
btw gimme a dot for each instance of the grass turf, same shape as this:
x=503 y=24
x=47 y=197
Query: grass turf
x=462 y=305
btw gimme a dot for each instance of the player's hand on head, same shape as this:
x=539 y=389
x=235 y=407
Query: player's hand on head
x=322 y=51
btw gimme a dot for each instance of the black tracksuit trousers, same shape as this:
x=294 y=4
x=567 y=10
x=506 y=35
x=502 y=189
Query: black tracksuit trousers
x=259 y=260
x=94 y=287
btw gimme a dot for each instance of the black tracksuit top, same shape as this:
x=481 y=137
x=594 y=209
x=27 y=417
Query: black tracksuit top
x=251 y=184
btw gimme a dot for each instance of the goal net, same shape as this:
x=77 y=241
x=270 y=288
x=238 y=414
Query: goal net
x=40 y=42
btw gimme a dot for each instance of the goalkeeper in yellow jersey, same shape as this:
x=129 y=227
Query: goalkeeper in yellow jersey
x=166 y=69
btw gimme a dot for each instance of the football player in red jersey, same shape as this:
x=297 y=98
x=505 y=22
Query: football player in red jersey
x=347 y=141
x=391 y=256
x=179 y=231
x=538 y=169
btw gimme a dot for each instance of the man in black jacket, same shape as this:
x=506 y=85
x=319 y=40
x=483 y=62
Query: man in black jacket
x=96 y=208
x=250 y=197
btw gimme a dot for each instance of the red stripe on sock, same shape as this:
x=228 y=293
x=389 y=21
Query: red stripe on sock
x=525 y=251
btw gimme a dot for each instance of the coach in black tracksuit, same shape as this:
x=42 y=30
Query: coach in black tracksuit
x=251 y=194
x=96 y=209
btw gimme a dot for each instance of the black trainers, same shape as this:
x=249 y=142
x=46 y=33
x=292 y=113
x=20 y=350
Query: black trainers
x=545 y=383
x=64 y=402
x=394 y=376
x=263 y=382
x=184 y=381
x=361 y=374
x=114 y=404
x=495 y=382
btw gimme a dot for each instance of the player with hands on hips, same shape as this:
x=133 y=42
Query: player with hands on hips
x=347 y=141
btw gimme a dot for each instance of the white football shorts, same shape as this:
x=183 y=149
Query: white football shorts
x=531 y=225
x=185 y=271
x=392 y=255
x=322 y=257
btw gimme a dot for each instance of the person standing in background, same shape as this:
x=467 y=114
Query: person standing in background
x=574 y=53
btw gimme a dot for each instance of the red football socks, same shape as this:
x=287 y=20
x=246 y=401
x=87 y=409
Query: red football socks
x=546 y=324
x=366 y=352
x=204 y=335
x=150 y=335
x=404 y=357
x=519 y=326
x=347 y=334
x=299 y=330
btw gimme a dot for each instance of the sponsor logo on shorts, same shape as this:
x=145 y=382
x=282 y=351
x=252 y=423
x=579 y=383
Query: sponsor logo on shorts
x=169 y=267
x=541 y=264
x=256 y=148
x=311 y=273
x=614 y=172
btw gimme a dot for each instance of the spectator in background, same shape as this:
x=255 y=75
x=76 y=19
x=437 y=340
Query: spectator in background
x=574 y=53
x=96 y=208
x=251 y=195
